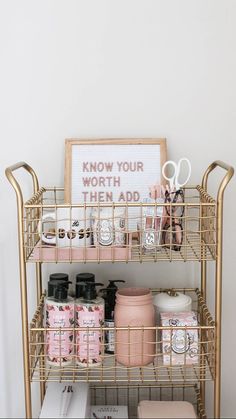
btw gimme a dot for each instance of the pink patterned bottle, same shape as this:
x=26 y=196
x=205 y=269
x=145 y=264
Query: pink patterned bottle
x=59 y=314
x=89 y=313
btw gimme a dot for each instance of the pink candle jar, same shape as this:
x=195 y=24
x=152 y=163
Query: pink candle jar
x=134 y=308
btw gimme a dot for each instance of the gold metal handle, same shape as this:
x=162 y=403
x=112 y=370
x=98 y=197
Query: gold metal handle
x=9 y=174
x=218 y=273
x=23 y=285
x=230 y=171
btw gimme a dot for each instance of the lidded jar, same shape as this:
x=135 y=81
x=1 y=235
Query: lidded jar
x=172 y=301
x=134 y=309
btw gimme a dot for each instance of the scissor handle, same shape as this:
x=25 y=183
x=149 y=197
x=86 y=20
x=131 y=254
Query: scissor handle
x=174 y=180
x=170 y=179
x=180 y=185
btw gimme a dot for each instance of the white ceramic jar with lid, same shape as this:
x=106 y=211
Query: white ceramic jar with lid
x=172 y=301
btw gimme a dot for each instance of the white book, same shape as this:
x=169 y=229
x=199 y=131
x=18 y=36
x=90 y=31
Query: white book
x=119 y=412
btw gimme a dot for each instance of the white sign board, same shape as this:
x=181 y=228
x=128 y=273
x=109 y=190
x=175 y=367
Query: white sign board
x=115 y=170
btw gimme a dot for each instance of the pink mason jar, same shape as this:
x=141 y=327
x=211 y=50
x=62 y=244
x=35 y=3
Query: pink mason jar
x=134 y=308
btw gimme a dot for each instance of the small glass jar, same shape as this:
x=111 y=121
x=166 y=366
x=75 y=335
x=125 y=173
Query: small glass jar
x=108 y=227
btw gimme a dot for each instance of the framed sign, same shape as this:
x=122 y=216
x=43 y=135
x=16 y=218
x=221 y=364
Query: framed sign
x=112 y=170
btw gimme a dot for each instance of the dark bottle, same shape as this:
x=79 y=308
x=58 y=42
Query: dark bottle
x=81 y=280
x=110 y=301
x=57 y=278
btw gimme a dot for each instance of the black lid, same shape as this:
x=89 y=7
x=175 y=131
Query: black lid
x=52 y=285
x=112 y=284
x=57 y=278
x=85 y=276
x=81 y=280
x=90 y=292
x=110 y=291
x=60 y=291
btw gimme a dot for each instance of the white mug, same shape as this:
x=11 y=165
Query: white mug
x=69 y=225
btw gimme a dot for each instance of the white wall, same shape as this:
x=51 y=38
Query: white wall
x=114 y=68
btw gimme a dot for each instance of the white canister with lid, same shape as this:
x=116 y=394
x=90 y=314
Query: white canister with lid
x=172 y=301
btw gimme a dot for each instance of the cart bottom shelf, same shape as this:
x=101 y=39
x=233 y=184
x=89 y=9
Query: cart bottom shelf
x=132 y=395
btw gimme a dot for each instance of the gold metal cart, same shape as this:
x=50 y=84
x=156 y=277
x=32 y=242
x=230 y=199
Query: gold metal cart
x=202 y=226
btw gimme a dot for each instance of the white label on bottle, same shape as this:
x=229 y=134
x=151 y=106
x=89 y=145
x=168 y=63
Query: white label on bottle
x=110 y=336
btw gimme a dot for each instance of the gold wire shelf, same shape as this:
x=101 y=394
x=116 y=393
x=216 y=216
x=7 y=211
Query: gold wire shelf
x=110 y=370
x=131 y=395
x=197 y=230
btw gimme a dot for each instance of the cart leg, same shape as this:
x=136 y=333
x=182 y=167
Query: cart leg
x=202 y=373
x=202 y=226
x=41 y=361
x=218 y=309
x=218 y=274
x=24 y=316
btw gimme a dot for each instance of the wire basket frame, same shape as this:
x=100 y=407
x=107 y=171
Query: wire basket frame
x=109 y=370
x=147 y=234
x=29 y=237
x=131 y=395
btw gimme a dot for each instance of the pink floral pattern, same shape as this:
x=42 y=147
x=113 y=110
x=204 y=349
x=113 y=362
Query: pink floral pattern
x=59 y=343
x=88 y=343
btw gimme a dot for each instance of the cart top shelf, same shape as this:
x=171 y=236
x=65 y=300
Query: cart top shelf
x=176 y=230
